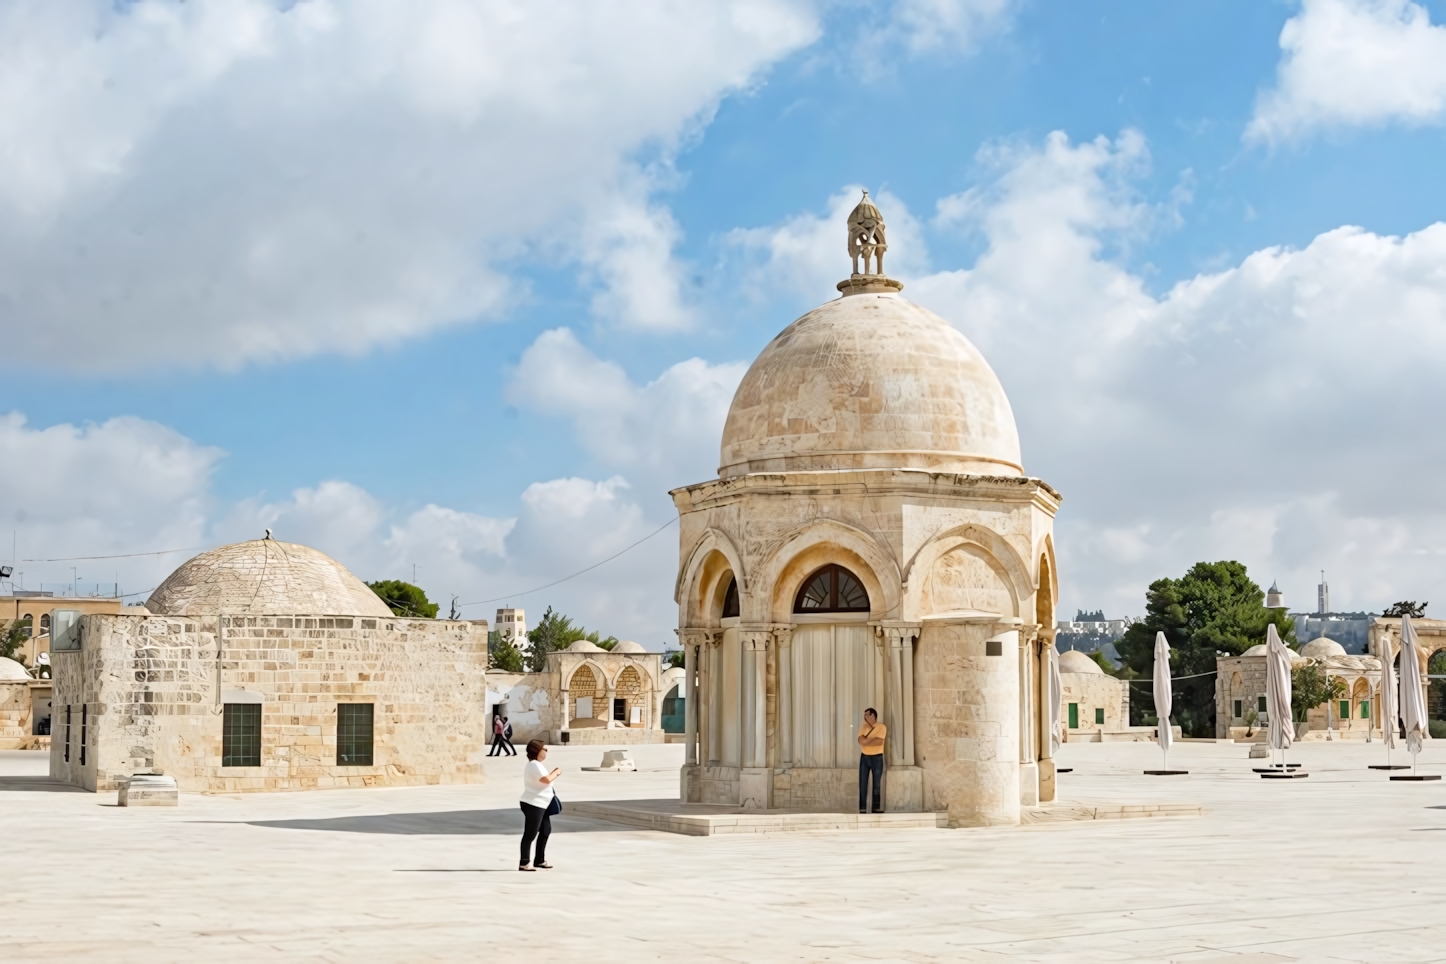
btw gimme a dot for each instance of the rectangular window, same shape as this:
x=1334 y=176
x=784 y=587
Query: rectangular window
x=354 y=734
x=1099 y=715
x=1260 y=704
x=1365 y=709
x=67 y=733
x=1345 y=709
x=1074 y=716
x=620 y=710
x=84 y=713
x=1239 y=707
x=241 y=735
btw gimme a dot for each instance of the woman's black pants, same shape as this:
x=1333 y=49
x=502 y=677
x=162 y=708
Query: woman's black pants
x=537 y=824
x=870 y=764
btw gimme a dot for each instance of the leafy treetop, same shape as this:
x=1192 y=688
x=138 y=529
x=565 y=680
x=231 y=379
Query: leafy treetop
x=404 y=599
x=1215 y=609
x=555 y=632
x=1406 y=608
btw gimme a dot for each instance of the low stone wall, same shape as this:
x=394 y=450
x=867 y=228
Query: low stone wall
x=149 y=692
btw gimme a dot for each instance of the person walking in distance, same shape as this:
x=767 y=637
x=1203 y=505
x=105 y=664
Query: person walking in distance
x=871 y=759
x=539 y=802
x=497 y=737
x=507 y=737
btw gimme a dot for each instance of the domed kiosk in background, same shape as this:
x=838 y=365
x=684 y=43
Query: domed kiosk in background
x=872 y=540
x=266 y=665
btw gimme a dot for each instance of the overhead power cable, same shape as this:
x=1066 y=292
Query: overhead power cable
x=123 y=555
x=564 y=579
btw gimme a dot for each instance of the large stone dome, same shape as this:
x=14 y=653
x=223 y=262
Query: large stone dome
x=870 y=381
x=264 y=576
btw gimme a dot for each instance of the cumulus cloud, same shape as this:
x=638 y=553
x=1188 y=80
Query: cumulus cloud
x=1354 y=62
x=245 y=180
x=664 y=433
x=1278 y=411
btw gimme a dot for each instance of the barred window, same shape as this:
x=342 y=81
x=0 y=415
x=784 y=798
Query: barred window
x=241 y=735
x=832 y=589
x=354 y=734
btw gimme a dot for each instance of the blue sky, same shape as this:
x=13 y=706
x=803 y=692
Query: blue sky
x=469 y=286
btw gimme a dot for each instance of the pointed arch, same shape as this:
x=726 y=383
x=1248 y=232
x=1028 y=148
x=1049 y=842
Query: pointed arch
x=704 y=579
x=813 y=545
x=986 y=544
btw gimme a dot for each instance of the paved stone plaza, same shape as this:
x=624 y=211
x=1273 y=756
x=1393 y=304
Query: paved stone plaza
x=1342 y=866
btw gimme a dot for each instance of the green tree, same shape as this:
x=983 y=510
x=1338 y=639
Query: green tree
x=1215 y=609
x=1310 y=687
x=404 y=599
x=553 y=632
x=674 y=659
x=503 y=654
x=13 y=638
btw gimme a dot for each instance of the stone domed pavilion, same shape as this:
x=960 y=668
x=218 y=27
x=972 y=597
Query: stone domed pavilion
x=872 y=540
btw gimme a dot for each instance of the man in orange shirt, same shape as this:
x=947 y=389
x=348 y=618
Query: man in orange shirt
x=871 y=758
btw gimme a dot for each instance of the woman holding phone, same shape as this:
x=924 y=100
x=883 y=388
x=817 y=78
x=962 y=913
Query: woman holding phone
x=539 y=803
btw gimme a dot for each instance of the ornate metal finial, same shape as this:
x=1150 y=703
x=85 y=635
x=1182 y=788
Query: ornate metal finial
x=867 y=241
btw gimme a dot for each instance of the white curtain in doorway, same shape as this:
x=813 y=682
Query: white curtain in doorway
x=833 y=683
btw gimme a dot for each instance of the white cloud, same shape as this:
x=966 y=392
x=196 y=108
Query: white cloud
x=664 y=433
x=807 y=255
x=1280 y=411
x=245 y=180
x=129 y=486
x=1354 y=62
x=123 y=486
x=958 y=25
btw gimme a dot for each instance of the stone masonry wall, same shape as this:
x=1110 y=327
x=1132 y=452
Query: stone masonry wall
x=154 y=687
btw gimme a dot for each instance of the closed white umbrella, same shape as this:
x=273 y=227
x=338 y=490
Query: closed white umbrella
x=1056 y=696
x=1386 y=698
x=1277 y=690
x=1162 y=695
x=1413 y=705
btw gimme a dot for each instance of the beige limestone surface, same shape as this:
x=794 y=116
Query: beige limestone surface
x=426 y=873
x=264 y=576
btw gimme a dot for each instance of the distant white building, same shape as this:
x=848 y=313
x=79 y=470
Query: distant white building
x=1089 y=631
x=512 y=624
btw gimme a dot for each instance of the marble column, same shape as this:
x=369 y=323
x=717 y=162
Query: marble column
x=693 y=640
x=755 y=781
x=783 y=644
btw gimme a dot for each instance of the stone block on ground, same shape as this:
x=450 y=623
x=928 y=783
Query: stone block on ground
x=614 y=760
x=147 y=790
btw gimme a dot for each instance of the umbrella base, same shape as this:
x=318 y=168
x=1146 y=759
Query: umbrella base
x=1389 y=766
x=1418 y=777
x=1165 y=773
x=1064 y=769
x=1282 y=775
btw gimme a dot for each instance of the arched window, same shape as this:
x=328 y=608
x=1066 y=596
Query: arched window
x=730 y=598
x=832 y=589
x=45 y=624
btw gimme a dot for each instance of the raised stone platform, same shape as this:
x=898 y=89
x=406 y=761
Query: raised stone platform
x=705 y=820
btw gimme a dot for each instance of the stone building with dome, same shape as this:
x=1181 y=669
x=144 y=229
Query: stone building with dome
x=266 y=665
x=1240 y=693
x=872 y=540
x=1094 y=705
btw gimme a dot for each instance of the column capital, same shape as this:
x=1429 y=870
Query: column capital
x=691 y=636
x=897 y=632
x=755 y=636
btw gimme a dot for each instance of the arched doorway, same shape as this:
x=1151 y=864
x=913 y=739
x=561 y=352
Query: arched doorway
x=1436 y=687
x=833 y=673
x=588 y=694
x=628 y=698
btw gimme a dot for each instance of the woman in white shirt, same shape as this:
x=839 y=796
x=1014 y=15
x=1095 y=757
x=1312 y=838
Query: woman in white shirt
x=537 y=803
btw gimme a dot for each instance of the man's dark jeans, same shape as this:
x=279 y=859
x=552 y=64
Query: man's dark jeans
x=871 y=764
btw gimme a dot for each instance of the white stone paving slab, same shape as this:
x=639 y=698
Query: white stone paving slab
x=427 y=873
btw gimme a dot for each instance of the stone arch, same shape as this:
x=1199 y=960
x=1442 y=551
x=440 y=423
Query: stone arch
x=987 y=545
x=598 y=674
x=587 y=682
x=808 y=549
x=1044 y=596
x=632 y=688
x=703 y=580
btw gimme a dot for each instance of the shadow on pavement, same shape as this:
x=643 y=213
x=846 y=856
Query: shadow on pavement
x=504 y=822
x=37 y=785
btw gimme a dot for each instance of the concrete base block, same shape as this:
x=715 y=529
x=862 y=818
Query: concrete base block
x=147 y=790
x=904 y=789
x=1029 y=784
x=614 y=760
x=1259 y=751
x=755 y=788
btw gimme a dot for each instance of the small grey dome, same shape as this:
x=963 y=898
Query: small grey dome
x=628 y=646
x=1257 y=650
x=1322 y=647
x=1072 y=661
x=585 y=646
x=12 y=670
